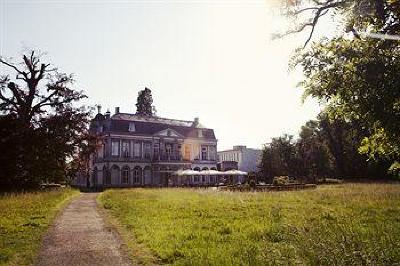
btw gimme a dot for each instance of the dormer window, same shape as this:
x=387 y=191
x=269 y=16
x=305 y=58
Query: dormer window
x=132 y=127
x=200 y=133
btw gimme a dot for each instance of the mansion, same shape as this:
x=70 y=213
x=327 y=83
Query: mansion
x=139 y=150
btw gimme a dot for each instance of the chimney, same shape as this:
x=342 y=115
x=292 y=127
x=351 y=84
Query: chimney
x=196 y=122
x=108 y=114
x=116 y=110
x=99 y=109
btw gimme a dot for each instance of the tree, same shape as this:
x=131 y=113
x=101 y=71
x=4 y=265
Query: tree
x=312 y=151
x=41 y=126
x=356 y=74
x=144 y=103
x=356 y=16
x=326 y=147
x=359 y=80
x=279 y=157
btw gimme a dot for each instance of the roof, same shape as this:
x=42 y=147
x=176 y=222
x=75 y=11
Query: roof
x=155 y=119
x=242 y=148
x=119 y=123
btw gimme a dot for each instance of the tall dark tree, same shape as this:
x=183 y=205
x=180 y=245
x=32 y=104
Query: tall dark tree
x=312 y=152
x=41 y=128
x=144 y=103
x=279 y=157
x=326 y=147
x=357 y=71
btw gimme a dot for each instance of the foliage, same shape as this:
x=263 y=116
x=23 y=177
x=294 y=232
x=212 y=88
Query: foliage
x=359 y=80
x=356 y=73
x=325 y=147
x=317 y=227
x=279 y=157
x=355 y=16
x=144 y=103
x=40 y=126
x=24 y=219
x=280 y=180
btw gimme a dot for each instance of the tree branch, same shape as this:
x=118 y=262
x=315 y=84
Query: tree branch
x=14 y=67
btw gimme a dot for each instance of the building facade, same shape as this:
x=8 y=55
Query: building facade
x=138 y=150
x=247 y=159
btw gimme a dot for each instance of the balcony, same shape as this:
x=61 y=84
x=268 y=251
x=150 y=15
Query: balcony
x=163 y=157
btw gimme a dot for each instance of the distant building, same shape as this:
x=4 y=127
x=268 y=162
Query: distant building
x=227 y=165
x=247 y=159
x=139 y=150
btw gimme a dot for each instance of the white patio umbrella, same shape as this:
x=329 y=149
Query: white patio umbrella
x=210 y=172
x=214 y=172
x=186 y=172
x=235 y=172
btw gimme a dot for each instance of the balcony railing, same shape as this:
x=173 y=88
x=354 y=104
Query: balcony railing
x=162 y=157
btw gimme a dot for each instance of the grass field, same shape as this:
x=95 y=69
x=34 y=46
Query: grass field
x=24 y=218
x=349 y=224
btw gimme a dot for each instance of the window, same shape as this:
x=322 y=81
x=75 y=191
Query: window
x=156 y=151
x=196 y=153
x=179 y=152
x=212 y=153
x=132 y=127
x=136 y=176
x=136 y=149
x=147 y=150
x=168 y=149
x=196 y=178
x=147 y=174
x=100 y=151
x=115 y=175
x=200 y=133
x=125 y=175
x=125 y=149
x=187 y=152
x=115 y=148
x=204 y=153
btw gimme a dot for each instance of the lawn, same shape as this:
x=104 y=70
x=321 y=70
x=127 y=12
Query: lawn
x=348 y=224
x=24 y=219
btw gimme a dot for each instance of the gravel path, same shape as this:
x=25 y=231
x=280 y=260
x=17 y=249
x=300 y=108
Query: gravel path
x=79 y=236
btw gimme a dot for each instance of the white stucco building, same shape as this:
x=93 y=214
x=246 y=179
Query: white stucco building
x=247 y=159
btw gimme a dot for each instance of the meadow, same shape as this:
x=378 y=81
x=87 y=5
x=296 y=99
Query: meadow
x=346 y=224
x=24 y=218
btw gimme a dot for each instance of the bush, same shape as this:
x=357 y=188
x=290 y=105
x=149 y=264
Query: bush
x=280 y=180
x=252 y=184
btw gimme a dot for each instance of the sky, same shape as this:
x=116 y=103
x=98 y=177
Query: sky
x=209 y=59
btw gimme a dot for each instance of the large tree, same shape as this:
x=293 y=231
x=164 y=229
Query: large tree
x=144 y=103
x=326 y=147
x=41 y=126
x=357 y=71
x=360 y=82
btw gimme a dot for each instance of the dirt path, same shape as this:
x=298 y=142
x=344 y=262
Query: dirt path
x=80 y=237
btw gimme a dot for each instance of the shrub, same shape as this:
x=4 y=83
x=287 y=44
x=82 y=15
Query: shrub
x=280 y=180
